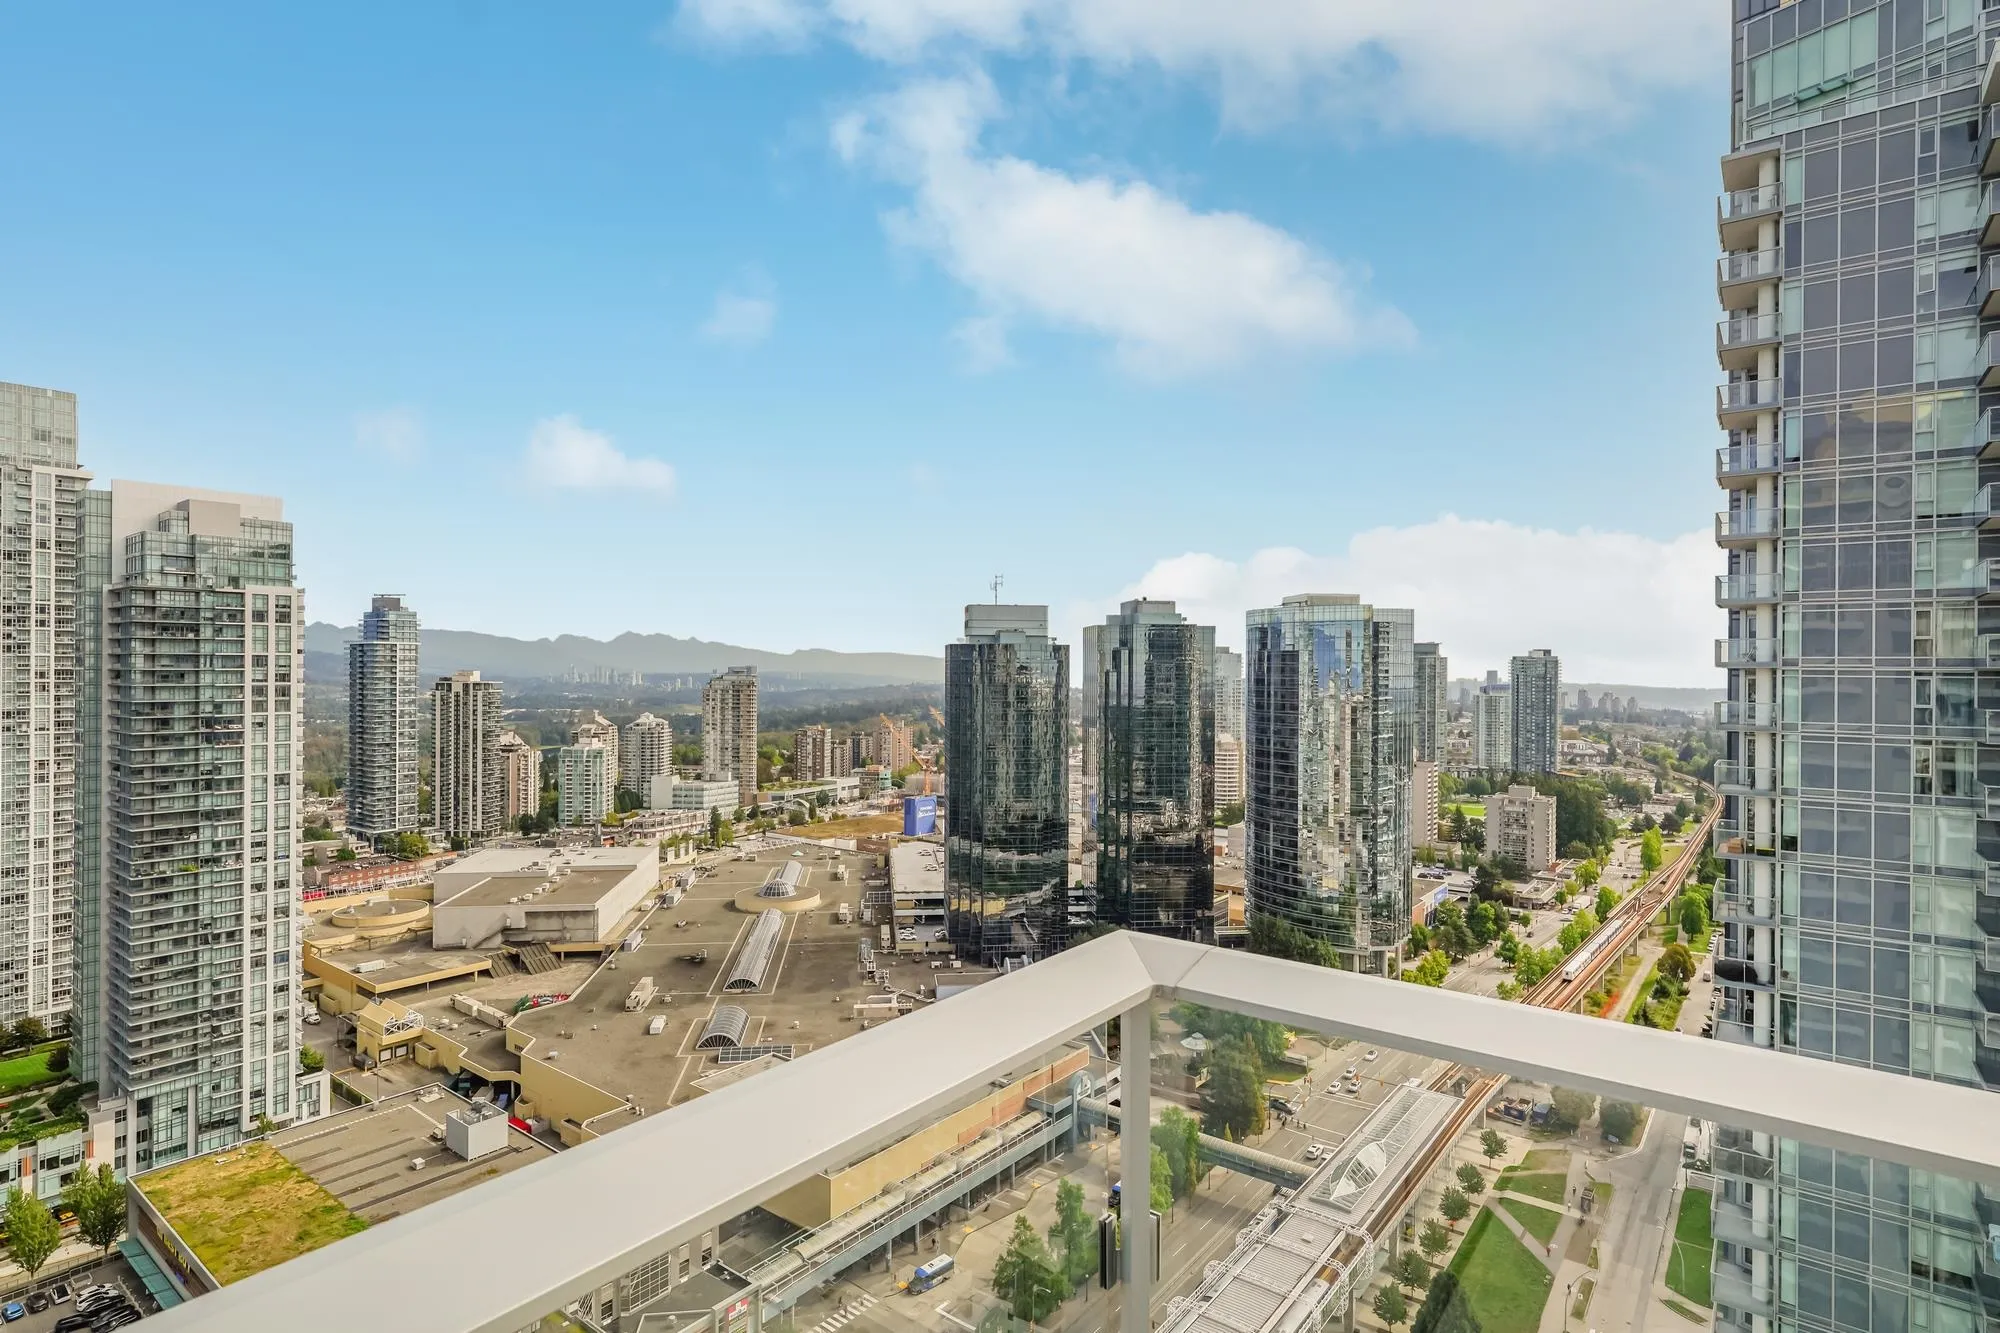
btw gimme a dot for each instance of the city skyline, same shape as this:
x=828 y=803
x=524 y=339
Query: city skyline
x=461 y=344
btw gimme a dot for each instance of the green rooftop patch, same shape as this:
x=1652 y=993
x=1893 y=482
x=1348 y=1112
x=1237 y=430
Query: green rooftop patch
x=246 y=1210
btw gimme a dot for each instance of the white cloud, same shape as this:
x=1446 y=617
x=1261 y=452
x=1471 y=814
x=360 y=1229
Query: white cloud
x=1485 y=69
x=562 y=453
x=1616 y=607
x=1173 y=289
x=742 y=318
x=395 y=433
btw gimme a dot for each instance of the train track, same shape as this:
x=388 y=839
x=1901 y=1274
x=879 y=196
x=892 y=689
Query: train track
x=1626 y=923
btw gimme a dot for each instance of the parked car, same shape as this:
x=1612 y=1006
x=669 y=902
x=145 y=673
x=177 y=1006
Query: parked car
x=1372 y=1053
x=1280 y=1105
x=13 y=1310
x=70 y=1323
x=37 y=1302
x=59 y=1293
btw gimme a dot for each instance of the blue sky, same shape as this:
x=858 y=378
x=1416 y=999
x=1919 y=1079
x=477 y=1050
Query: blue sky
x=791 y=322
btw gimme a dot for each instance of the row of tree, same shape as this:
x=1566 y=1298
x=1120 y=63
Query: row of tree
x=95 y=1198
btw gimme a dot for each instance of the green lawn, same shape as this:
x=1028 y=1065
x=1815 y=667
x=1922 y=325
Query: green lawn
x=1548 y=1185
x=1505 y=1285
x=247 y=1210
x=1473 y=809
x=1694 y=1249
x=26 y=1071
x=1537 y=1221
x=1546 y=1159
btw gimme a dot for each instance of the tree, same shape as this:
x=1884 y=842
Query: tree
x=1026 y=1276
x=1445 y=1309
x=409 y=846
x=1232 y=1100
x=1570 y=1109
x=1483 y=920
x=310 y=1060
x=1161 y=1196
x=1275 y=938
x=1391 y=1306
x=1617 y=1120
x=1588 y=874
x=1430 y=970
x=1074 y=1235
x=1652 y=853
x=1450 y=931
x=345 y=854
x=1434 y=1238
x=1493 y=1144
x=59 y=1060
x=1454 y=1205
x=32 y=1231
x=1411 y=1271
x=1607 y=898
x=1470 y=1180
x=97 y=1200
x=1693 y=914
x=1178 y=1135
x=1670 y=823
x=1676 y=962
x=30 y=1031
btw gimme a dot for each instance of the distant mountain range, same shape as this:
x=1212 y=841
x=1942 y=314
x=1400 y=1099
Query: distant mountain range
x=448 y=650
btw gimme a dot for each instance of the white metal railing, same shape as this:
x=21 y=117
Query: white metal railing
x=634 y=1195
x=1747 y=396
x=1749 y=266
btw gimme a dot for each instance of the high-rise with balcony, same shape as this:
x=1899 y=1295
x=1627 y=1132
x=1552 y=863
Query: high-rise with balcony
x=42 y=488
x=1534 y=685
x=645 y=752
x=191 y=975
x=1433 y=675
x=1329 y=698
x=1156 y=771
x=468 y=784
x=817 y=754
x=729 y=731
x=1858 y=919
x=382 y=715
x=585 y=792
x=1493 y=726
x=1228 y=693
x=593 y=728
x=1006 y=722
x=521 y=776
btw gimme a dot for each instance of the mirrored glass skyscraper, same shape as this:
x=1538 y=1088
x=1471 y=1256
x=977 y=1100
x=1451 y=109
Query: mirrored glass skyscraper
x=1330 y=697
x=1006 y=722
x=1432 y=672
x=1858 y=916
x=1155 y=735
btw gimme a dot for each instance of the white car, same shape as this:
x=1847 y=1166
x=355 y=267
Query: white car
x=1372 y=1053
x=1352 y=1070
x=1314 y=1152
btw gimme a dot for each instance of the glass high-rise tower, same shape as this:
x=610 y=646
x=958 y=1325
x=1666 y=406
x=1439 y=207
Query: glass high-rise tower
x=1006 y=723
x=1330 y=699
x=382 y=714
x=1432 y=675
x=1155 y=735
x=1857 y=915
x=1534 y=686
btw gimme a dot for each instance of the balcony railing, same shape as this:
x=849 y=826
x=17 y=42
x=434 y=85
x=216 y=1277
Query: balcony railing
x=1738 y=212
x=638 y=1193
x=1988 y=364
x=1743 y=778
x=1739 y=402
x=1738 y=338
x=1745 y=460
x=1740 y=713
x=1746 y=525
x=1989 y=213
x=1745 y=589
x=1746 y=652
x=1736 y=276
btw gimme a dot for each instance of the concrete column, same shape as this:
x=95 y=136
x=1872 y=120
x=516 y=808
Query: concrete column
x=1135 y=1151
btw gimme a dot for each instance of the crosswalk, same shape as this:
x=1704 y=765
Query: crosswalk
x=845 y=1315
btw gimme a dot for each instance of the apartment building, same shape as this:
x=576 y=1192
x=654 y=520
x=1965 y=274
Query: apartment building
x=729 y=731
x=468 y=782
x=1228 y=771
x=1493 y=727
x=1433 y=673
x=894 y=746
x=585 y=791
x=1330 y=697
x=818 y=755
x=521 y=776
x=645 y=751
x=1425 y=808
x=596 y=729
x=1521 y=826
x=1534 y=685
x=382 y=718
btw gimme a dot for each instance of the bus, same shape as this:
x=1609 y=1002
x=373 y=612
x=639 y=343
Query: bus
x=932 y=1273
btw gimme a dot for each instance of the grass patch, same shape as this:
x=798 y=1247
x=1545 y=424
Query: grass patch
x=861 y=826
x=1584 y=1290
x=1546 y=1159
x=1473 y=809
x=247 y=1210
x=1546 y=1186
x=1505 y=1285
x=1285 y=1073
x=1537 y=1221
x=1686 y=1313
x=1694 y=1249
x=1602 y=1189
x=27 y=1071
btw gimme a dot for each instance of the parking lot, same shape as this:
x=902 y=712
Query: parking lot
x=113 y=1271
